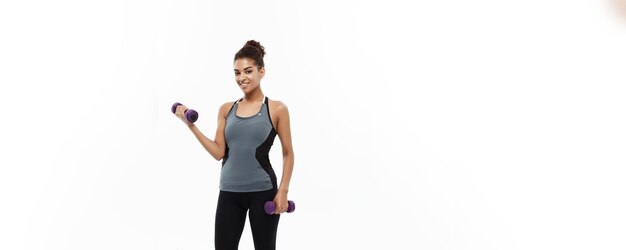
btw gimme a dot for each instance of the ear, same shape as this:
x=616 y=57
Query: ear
x=262 y=72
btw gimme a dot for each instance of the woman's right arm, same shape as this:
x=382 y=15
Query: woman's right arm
x=216 y=148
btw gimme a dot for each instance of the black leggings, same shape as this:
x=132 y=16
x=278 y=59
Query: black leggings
x=230 y=219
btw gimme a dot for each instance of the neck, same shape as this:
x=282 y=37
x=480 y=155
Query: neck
x=256 y=95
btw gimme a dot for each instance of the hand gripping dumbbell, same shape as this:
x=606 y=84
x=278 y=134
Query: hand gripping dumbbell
x=270 y=207
x=190 y=114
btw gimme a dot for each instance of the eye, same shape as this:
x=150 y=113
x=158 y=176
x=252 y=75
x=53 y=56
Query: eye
x=236 y=73
x=249 y=72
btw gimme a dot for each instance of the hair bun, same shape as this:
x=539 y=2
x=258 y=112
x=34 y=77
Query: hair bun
x=256 y=45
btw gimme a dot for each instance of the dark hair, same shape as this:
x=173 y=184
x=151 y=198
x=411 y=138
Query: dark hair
x=252 y=50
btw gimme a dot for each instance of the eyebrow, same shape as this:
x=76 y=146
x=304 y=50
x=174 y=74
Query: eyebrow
x=249 y=67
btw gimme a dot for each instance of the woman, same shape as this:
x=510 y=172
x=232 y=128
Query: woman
x=246 y=129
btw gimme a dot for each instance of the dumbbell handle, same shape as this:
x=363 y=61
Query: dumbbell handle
x=190 y=114
x=270 y=207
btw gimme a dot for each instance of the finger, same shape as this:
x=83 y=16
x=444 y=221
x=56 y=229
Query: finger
x=181 y=112
x=181 y=109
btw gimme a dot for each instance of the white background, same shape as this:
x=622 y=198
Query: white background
x=416 y=124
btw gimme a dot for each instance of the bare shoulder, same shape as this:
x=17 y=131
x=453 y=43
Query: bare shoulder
x=277 y=106
x=224 y=108
x=278 y=111
x=227 y=105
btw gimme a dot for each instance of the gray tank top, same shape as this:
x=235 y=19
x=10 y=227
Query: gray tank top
x=246 y=166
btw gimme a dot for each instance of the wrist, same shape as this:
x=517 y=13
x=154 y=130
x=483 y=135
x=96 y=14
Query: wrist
x=282 y=190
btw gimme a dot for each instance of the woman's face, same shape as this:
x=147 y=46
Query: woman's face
x=247 y=75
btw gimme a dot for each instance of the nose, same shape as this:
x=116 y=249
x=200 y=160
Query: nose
x=240 y=78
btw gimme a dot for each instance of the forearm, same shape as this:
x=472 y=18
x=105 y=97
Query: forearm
x=288 y=161
x=208 y=144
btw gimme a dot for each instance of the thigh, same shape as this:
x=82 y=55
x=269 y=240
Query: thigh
x=230 y=218
x=264 y=226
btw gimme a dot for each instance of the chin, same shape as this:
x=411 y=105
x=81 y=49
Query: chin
x=248 y=90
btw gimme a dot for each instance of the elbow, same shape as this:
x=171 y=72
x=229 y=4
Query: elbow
x=219 y=156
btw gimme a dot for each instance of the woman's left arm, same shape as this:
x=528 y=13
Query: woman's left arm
x=284 y=133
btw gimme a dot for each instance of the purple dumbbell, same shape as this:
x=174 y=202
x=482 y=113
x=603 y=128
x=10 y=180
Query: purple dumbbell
x=190 y=114
x=270 y=207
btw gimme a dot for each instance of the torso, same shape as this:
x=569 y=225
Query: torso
x=249 y=134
